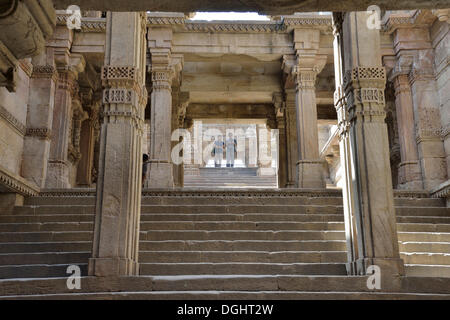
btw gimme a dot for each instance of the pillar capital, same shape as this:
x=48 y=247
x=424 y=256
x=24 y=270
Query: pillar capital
x=364 y=91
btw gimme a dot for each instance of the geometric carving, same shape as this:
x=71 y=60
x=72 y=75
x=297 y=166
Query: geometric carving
x=119 y=73
x=43 y=133
x=114 y=95
x=13 y=121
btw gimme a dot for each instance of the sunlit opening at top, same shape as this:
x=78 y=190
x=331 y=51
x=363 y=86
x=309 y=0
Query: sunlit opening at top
x=209 y=16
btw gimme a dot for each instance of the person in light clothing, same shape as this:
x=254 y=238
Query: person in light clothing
x=219 y=145
x=231 y=145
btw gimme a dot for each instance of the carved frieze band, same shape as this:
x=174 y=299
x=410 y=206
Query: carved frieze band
x=94 y=25
x=13 y=121
x=42 y=133
x=284 y=25
x=17 y=184
x=45 y=71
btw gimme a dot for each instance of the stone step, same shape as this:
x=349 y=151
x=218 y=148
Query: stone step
x=242 y=268
x=46 y=226
x=239 y=225
x=45 y=236
x=421 y=219
x=424 y=236
x=159 y=235
x=60 y=201
x=242 y=256
x=414 y=246
x=243 y=245
x=283 y=284
x=233 y=295
x=426 y=258
x=243 y=217
x=273 y=209
x=37 y=271
x=423 y=227
x=293 y=209
x=234 y=200
x=44 y=258
x=54 y=246
x=420 y=202
x=53 y=209
x=424 y=270
x=46 y=218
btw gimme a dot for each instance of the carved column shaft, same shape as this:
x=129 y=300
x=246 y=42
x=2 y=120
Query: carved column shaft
x=428 y=126
x=58 y=166
x=309 y=165
x=348 y=194
x=291 y=138
x=410 y=173
x=280 y=113
x=364 y=85
x=307 y=66
x=160 y=172
x=118 y=204
x=39 y=121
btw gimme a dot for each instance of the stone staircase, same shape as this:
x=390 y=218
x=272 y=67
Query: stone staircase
x=230 y=178
x=243 y=243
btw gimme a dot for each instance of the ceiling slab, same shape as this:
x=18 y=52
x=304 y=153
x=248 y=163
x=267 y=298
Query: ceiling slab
x=261 y=6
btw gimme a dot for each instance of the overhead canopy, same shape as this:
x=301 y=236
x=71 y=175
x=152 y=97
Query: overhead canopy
x=261 y=6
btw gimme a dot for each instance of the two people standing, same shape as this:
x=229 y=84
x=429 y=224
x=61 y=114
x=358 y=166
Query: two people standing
x=230 y=146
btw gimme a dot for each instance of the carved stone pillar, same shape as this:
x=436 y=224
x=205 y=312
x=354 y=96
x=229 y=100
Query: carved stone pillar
x=428 y=124
x=39 y=119
x=345 y=151
x=116 y=233
x=87 y=144
x=364 y=85
x=263 y=138
x=180 y=101
x=410 y=175
x=160 y=171
x=308 y=65
x=58 y=164
x=280 y=111
x=291 y=138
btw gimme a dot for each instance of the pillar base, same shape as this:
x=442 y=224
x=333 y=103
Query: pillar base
x=104 y=267
x=310 y=174
x=10 y=200
x=57 y=175
x=388 y=266
x=410 y=176
x=160 y=175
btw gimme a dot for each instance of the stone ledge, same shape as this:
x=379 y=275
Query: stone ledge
x=251 y=192
x=10 y=182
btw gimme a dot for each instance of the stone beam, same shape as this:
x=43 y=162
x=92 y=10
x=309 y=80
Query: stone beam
x=230 y=111
x=25 y=26
x=261 y=6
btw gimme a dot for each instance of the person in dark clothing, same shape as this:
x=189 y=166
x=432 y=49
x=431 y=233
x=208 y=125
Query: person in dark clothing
x=144 y=168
